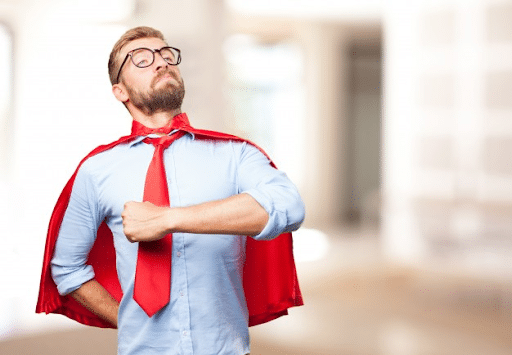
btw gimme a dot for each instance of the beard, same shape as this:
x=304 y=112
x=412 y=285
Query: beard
x=169 y=97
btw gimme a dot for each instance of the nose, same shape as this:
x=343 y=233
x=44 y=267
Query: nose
x=159 y=62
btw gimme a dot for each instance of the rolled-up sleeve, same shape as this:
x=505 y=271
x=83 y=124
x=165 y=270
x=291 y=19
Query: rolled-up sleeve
x=273 y=190
x=76 y=236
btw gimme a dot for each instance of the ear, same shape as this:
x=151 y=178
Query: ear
x=120 y=92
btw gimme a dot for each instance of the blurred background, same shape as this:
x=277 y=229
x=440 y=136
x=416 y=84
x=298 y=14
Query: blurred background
x=393 y=118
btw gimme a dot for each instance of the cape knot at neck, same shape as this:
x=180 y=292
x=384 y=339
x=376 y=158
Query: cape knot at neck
x=179 y=121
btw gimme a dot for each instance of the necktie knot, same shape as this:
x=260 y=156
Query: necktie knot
x=162 y=142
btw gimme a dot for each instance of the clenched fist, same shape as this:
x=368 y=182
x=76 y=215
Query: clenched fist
x=145 y=222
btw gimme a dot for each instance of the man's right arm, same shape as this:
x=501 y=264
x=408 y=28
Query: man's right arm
x=77 y=234
x=96 y=299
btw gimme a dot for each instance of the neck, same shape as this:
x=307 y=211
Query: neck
x=156 y=120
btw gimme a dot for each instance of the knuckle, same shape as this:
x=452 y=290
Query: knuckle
x=130 y=237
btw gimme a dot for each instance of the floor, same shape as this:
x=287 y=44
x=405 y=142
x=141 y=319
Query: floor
x=355 y=304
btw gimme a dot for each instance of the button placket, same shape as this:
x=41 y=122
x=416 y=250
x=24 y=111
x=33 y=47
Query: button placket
x=179 y=260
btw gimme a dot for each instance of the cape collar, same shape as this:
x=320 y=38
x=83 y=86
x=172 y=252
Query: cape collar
x=180 y=121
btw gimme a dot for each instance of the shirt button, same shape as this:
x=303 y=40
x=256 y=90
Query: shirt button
x=178 y=254
x=184 y=333
x=181 y=293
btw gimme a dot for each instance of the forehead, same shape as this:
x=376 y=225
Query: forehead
x=152 y=43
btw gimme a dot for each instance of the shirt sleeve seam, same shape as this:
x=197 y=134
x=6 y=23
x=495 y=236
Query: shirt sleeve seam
x=96 y=200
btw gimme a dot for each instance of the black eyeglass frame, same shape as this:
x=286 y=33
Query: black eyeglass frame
x=130 y=54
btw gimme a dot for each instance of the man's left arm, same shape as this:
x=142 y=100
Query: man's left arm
x=268 y=204
x=239 y=214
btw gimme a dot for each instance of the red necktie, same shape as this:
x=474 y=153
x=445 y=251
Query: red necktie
x=152 y=287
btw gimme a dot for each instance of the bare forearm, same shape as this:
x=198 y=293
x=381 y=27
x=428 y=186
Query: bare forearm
x=95 y=298
x=239 y=214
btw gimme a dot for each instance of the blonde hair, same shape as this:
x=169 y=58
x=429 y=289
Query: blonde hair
x=127 y=37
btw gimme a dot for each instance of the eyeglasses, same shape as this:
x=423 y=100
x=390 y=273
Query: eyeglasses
x=144 y=57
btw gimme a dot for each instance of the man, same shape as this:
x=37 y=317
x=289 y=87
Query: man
x=221 y=189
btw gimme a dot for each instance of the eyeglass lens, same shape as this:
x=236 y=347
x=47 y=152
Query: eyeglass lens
x=144 y=57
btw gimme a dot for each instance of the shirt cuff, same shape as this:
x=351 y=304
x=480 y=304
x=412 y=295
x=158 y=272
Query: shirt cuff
x=277 y=221
x=72 y=281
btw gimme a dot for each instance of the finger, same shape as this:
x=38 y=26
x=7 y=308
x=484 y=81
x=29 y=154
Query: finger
x=128 y=204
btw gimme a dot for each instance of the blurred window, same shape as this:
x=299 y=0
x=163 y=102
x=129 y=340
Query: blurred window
x=265 y=88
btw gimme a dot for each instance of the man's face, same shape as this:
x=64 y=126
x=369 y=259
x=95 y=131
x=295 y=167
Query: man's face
x=156 y=88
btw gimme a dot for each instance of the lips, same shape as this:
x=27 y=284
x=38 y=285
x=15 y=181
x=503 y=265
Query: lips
x=165 y=74
x=162 y=76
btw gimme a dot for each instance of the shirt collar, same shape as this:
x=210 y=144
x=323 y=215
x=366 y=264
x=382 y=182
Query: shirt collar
x=139 y=139
x=178 y=122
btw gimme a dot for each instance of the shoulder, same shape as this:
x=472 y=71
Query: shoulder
x=104 y=156
x=241 y=144
x=232 y=145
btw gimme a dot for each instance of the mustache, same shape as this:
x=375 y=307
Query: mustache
x=166 y=72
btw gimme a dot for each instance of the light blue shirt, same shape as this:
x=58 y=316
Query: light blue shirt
x=207 y=312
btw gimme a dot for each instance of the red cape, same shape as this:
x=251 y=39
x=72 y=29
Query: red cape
x=270 y=279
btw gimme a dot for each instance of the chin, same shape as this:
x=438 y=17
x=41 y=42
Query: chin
x=171 y=82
